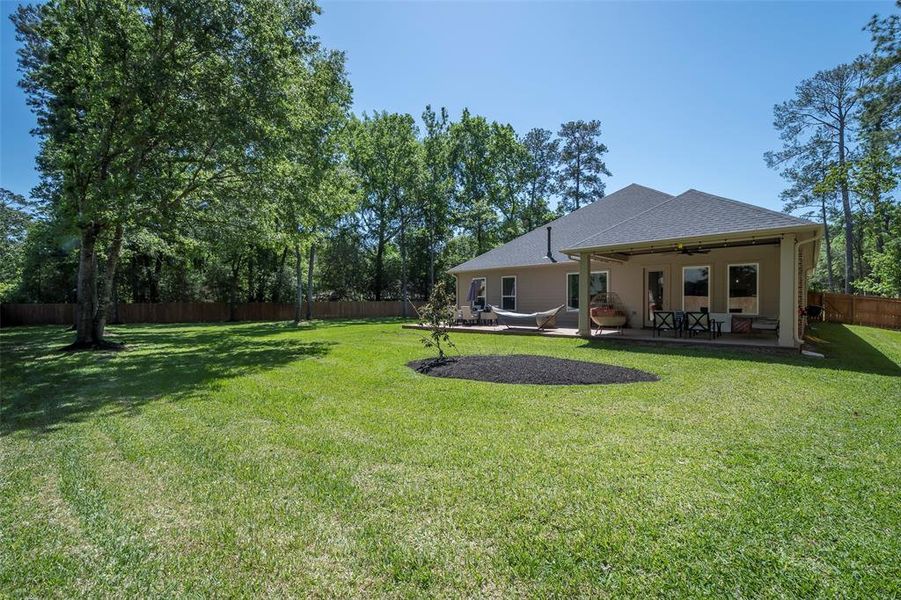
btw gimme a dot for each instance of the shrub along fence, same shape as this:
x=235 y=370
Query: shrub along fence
x=201 y=312
x=858 y=310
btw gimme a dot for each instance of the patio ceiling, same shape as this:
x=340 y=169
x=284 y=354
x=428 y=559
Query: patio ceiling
x=623 y=254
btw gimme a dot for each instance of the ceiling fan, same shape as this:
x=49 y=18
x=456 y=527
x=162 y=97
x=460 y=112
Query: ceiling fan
x=682 y=249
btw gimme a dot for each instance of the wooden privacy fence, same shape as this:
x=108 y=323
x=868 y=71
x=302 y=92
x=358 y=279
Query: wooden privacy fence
x=200 y=312
x=858 y=310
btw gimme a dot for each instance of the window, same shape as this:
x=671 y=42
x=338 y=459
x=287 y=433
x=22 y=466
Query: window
x=479 y=301
x=743 y=282
x=598 y=284
x=696 y=289
x=508 y=292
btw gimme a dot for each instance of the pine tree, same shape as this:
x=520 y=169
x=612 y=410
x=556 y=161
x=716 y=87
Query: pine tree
x=581 y=165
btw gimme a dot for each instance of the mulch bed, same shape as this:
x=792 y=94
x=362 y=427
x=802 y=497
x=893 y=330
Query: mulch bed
x=528 y=368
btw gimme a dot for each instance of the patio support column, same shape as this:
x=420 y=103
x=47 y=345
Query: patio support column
x=584 y=283
x=787 y=291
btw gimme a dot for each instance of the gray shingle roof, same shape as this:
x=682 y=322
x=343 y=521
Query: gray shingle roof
x=634 y=215
x=689 y=215
x=531 y=248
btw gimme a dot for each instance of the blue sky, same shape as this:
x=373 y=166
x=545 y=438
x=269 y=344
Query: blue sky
x=684 y=91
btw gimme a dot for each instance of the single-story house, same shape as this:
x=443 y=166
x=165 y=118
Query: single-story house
x=691 y=252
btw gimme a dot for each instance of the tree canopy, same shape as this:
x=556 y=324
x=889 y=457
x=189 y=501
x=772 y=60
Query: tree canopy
x=840 y=157
x=154 y=112
x=582 y=165
x=206 y=151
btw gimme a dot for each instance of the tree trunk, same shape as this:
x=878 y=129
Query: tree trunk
x=512 y=218
x=134 y=277
x=87 y=284
x=114 y=307
x=280 y=276
x=530 y=208
x=479 y=235
x=233 y=292
x=880 y=221
x=379 y=267
x=310 y=281
x=431 y=267
x=91 y=313
x=250 y=278
x=848 y=215
x=266 y=262
x=93 y=289
x=578 y=181
x=431 y=243
x=298 y=288
x=828 y=242
x=155 y=295
x=109 y=278
x=403 y=268
x=78 y=289
x=858 y=244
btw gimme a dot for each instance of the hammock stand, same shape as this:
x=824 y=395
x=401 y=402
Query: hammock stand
x=546 y=319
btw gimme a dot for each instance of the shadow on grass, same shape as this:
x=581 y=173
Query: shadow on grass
x=335 y=323
x=44 y=388
x=844 y=350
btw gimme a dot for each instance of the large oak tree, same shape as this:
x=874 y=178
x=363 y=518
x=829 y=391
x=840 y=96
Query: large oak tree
x=145 y=107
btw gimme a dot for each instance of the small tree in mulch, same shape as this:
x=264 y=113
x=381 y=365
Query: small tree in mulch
x=438 y=315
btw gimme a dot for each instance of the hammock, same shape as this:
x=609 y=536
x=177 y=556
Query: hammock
x=544 y=319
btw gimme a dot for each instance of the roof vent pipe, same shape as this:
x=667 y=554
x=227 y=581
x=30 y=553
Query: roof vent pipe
x=550 y=255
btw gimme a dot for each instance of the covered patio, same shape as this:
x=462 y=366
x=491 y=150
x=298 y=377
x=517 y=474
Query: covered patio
x=751 y=340
x=777 y=264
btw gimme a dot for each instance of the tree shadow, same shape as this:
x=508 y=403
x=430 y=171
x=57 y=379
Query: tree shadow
x=258 y=328
x=844 y=350
x=44 y=388
x=330 y=323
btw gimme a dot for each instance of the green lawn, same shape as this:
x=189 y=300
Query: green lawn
x=262 y=459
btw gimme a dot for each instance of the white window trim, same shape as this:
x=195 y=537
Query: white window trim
x=566 y=287
x=485 y=286
x=709 y=284
x=756 y=285
x=515 y=291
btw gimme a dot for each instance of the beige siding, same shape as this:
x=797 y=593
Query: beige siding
x=543 y=287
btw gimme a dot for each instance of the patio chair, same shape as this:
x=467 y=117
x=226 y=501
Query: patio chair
x=665 y=320
x=814 y=312
x=487 y=316
x=607 y=311
x=699 y=322
x=465 y=316
x=610 y=318
x=765 y=324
